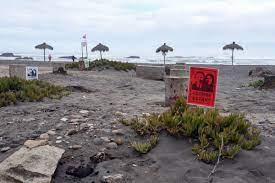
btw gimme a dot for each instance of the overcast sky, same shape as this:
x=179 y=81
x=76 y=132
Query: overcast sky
x=138 y=27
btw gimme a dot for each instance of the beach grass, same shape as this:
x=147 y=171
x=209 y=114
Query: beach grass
x=145 y=147
x=104 y=64
x=209 y=129
x=14 y=90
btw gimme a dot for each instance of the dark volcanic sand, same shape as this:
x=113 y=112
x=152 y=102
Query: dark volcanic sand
x=171 y=161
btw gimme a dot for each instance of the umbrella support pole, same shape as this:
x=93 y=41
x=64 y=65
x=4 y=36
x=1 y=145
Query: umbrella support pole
x=232 y=57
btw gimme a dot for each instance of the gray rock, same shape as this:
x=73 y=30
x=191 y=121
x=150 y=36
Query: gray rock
x=44 y=136
x=35 y=143
x=71 y=132
x=51 y=132
x=83 y=127
x=29 y=120
x=5 y=149
x=106 y=139
x=59 y=126
x=58 y=141
x=112 y=145
x=98 y=141
x=118 y=132
x=116 y=178
x=31 y=165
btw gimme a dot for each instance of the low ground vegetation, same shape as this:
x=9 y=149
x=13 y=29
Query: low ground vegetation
x=14 y=90
x=104 y=64
x=214 y=135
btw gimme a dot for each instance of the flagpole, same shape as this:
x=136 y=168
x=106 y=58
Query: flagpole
x=82 y=52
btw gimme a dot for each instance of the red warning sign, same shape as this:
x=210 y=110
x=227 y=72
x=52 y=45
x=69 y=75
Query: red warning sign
x=202 y=86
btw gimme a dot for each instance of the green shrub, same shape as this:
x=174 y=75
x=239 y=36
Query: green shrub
x=106 y=64
x=72 y=65
x=256 y=84
x=13 y=90
x=145 y=147
x=208 y=128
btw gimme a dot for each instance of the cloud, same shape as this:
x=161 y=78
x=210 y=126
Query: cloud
x=140 y=24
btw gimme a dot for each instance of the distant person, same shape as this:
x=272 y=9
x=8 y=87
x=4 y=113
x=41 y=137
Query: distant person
x=50 y=57
x=208 y=84
x=73 y=58
x=199 y=81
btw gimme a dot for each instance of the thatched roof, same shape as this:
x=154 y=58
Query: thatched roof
x=232 y=47
x=44 y=46
x=164 y=48
x=100 y=47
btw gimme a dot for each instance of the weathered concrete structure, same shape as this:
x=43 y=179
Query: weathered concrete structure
x=269 y=81
x=178 y=72
x=31 y=165
x=154 y=72
x=59 y=68
x=175 y=87
x=17 y=70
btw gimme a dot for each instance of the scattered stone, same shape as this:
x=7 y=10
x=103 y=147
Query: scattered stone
x=31 y=165
x=120 y=114
x=106 y=130
x=98 y=141
x=134 y=165
x=71 y=132
x=64 y=119
x=75 y=147
x=51 y=132
x=59 y=137
x=78 y=120
x=119 y=141
x=44 y=136
x=77 y=116
x=106 y=139
x=111 y=145
x=83 y=112
x=58 y=141
x=112 y=178
x=83 y=127
x=5 y=149
x=80 y=171
x=35 y=143
x=59 y=126
x=118 y=132
x=29 y=120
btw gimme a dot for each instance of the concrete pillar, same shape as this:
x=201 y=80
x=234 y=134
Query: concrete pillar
x=178 y=72
x=17 y=70
x=154 y=72
x=175 y=87
x=81 y=65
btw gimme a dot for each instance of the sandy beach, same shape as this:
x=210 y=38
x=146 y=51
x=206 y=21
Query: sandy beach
x=114 y=93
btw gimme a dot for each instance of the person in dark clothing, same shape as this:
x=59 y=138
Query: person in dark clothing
x=199 y=80
x=208 y=84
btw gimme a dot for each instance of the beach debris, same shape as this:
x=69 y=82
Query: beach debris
x=35 y=143
x=59 y=137
x=111 y=145
x=98 y=141
x=28 y=119
x=84 y=112
x=31 y=165
x=64 y=119
x=80 y=89
x=116 y=178
x=75 y=147
x=58 y=141
x=5 y=149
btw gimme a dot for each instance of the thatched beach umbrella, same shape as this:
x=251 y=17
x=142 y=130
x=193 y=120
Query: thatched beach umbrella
x=232 y=47
x=164 y=49
x=44 y=46
x=101 y=48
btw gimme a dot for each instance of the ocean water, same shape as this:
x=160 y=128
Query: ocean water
x=153 y=60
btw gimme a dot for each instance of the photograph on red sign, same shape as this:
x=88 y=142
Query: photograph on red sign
x=202 y=86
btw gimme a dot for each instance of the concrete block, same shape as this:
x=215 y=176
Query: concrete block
x=153 y=72
x=175 y=87
x=17 y=70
